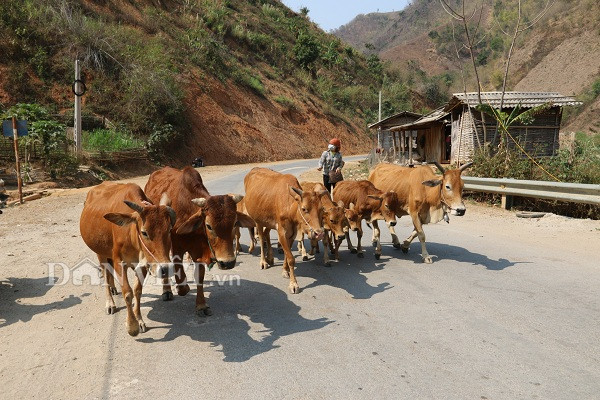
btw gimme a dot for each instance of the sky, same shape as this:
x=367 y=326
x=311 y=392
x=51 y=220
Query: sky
x=329 y=14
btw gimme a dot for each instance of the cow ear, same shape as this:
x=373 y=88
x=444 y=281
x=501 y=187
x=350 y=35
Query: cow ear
x=323 y=193
x=236 y=197
x=244 y=221
x=340 y=203
x=172 y=215
x=432 y=182
x=192 y=224
x=120 y=219
x=296 y=193
x=351 y=206
x=200 y=201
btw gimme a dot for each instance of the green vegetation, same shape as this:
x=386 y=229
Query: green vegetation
x=285 y=101
x=108 y=140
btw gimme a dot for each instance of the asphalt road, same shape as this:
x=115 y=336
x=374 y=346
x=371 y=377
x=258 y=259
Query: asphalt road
x=506 y=311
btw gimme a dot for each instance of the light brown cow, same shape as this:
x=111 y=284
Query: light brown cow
x=369 y=203
x=276 y=201
x=204 y=227
x=123 y=239
x=334 y=222
x=424 y=196
x=245 y=223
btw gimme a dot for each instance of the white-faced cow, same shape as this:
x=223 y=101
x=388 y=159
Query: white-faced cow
x=426 y=197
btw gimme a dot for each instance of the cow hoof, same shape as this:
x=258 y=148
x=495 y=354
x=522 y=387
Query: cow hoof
x=183 y=290
x=271 y=261
x=285 y=273
x=397 y=245
x=361 y=255
x=377 y=256
x=133 y=330
x=374 y=243
x=428 y=260
x=404 y=249
x=111 y=310
x=204 y=312
x=294 y=288
x=264 y=265
x=143 y=328
x=113 y=291
x=304 y=258
x=353 y=251
x=167 y=296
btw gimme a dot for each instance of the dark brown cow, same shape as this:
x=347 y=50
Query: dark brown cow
x=369 y=203
x=124 y=239
x=276 y=201
x=334 y=222
x=423 y=195
x=204 y=227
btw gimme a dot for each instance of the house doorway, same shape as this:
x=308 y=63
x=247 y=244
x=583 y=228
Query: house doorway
x=447 y=143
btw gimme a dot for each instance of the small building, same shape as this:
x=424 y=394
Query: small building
x=451 y=134
x=385 y=139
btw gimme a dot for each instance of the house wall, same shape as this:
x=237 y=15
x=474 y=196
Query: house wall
x=540 y=138
x=430 y=142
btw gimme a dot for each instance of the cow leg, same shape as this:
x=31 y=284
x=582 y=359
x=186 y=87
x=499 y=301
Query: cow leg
x=408 y=241
x=131 y=322
x=180 y=279
x=109 y=284
x=263 y=250
x=301 y=247
x=326 y=246
x=137 y=291
x=253 y=235
x=314 y=247
x=286 y=238
x=419 y=229
x=359 y=249
x=202 y=310
x=395 y=241
x=352 y=249
x=270 y=258
x=236 y=235
x=376 y=239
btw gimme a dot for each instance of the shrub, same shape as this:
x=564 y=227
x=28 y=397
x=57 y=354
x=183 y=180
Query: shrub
x=110 y=140
x=306 y=50
x=285 y=101
x=163 y=138
x=245 y=77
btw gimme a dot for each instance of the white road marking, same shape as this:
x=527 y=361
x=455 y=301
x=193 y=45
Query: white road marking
x=289 y=169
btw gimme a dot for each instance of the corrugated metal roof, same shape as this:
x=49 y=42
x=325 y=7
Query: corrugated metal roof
x=400 y=114
x=512 y=99
x=433 y=116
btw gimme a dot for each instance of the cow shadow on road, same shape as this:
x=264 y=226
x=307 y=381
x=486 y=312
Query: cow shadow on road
x=442 y=251
x=248 y=319
x=15 y=290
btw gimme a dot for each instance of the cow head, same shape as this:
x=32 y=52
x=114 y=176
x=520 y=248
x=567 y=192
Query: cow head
x=152 y=225
x=310 y=210
x=217 y=216
x=354 y=217
x=334 y=219
x=451 y=188
x=388 y=203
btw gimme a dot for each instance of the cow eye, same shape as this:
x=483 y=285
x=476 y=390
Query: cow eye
x=145 y=234
x=387 y=206
x=304 y=210
x=209 y=227
x=447 y=187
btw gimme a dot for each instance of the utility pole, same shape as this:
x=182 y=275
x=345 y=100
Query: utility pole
x=18 y=162
x=77 y=121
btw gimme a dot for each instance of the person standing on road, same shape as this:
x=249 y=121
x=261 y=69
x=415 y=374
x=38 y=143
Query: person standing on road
x=331 y=161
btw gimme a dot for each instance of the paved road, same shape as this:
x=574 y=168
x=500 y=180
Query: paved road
x=508 y=310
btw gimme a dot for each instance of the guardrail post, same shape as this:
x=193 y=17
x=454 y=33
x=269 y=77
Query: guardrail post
x=507 y=201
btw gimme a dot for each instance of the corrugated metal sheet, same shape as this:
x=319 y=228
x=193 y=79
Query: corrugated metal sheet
x=512 y=99
x=384 y=121
x=433 y=116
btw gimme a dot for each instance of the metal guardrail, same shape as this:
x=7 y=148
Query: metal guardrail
x=572 y=192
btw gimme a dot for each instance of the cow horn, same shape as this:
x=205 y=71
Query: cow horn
x=467 y=165
x=134 y=206
x=165 y=200
x=172 y=215
x=236 y=197
x=297 y=191
x=200 y=201
x=438 y=165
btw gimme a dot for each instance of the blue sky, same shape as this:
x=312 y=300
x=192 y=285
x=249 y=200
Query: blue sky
x=331 y=14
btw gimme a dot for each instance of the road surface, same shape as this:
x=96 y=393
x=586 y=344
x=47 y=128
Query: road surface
x=510 y=309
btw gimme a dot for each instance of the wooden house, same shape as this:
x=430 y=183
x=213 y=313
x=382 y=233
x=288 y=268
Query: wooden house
x=451 y=134
x=386 y=139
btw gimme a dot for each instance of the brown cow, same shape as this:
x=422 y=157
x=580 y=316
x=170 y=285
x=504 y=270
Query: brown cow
x=204 y=227
x=246 y=223
x=124 y=239
x=422 y=195
x=334 y=222
x=276 y=201
x=369 y=203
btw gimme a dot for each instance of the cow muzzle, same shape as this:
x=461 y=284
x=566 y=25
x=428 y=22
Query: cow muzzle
x=458 y=211
x=392 y=223
x=226 y=264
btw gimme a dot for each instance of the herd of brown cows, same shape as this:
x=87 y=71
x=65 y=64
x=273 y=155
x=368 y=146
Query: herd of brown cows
x=126 y=228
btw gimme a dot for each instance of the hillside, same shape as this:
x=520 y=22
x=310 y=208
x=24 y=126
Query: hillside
x=558 y=54
x=227 y=80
